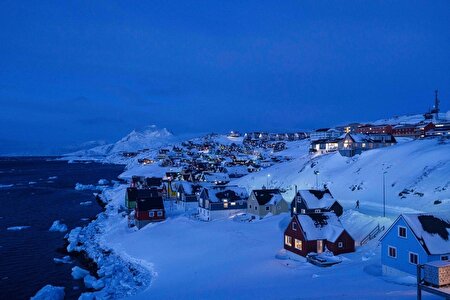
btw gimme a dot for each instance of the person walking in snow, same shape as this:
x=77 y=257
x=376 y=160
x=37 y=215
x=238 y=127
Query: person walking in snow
x=357 y=204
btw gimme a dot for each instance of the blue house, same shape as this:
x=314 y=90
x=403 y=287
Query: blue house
x=414 y=239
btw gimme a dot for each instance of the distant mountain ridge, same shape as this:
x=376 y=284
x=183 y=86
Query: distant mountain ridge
x=151 y=137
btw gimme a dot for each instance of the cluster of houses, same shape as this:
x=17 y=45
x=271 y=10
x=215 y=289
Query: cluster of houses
x=354 y=138
x=197 y=160
x=315 y=225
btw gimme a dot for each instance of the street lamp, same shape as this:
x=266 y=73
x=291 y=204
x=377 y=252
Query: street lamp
x=316 y=172
x=268 y=176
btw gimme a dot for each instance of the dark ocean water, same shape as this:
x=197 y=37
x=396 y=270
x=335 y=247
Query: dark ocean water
x=26 y=256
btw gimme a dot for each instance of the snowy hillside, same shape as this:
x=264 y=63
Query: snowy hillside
x=409 y=119
x=417 y=175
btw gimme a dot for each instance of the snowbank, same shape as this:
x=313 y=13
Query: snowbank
x=58 y=226
x=5 y=186
x=49 y=292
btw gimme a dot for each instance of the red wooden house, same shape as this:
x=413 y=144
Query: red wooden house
x=316 y=233
x=149 y=210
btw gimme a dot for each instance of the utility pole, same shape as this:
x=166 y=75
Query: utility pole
x=384 y=193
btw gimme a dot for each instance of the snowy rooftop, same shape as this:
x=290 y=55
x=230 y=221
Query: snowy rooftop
x=231 y=193
x=432 y=229
x=324 y=226
x=266 y=196
x=317 y=198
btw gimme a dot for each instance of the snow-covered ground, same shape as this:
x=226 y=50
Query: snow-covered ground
x=191 y=259
x=184 y=258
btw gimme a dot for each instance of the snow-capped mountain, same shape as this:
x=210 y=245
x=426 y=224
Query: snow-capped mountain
x=150 y=137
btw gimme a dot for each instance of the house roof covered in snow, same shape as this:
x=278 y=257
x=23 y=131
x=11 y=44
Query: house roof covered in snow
x=431 y=229
x=317 y=198
x=216 y=177
x=323 y=226
x=267 y=196
x=189 y=188
x=371 y=138
x=229 y=193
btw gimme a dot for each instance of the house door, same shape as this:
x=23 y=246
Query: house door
x=319 y=246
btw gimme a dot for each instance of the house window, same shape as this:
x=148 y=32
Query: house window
x=256 y=208
x=298 y=244
x=151 y=214
x=392 y=252
x=225 y=205
x=294 y=226
x=250 y=206
x=159 y=213
x=413 y=258
x=402 y=231
x=287 y=240
x=303 y=211
x=317 y=210
x=233 y=203
x=340 y=245
x=294 y=210
x=267 y=208
x=444 y=257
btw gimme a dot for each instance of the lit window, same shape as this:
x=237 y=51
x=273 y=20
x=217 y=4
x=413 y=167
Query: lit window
x=413 y=258
x=225 y=205
x=392 y=252
x=303 y=211
x=402 y=231
x=340 y=245
x=288 y=240
x=298 y=244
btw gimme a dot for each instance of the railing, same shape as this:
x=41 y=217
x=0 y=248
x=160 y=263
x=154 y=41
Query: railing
x=372 y=234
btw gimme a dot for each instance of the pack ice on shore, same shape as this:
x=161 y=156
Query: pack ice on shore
x=49 y=292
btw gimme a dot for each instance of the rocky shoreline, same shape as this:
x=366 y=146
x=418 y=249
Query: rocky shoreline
x=121 y=277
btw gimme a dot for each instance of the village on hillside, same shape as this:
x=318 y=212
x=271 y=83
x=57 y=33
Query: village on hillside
x=199 y=180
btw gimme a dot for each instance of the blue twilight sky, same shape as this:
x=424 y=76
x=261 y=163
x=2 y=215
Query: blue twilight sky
x=74 y=71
